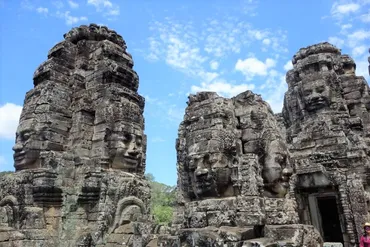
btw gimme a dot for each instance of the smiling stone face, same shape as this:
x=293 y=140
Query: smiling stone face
x=210 y=174
x=316 y=95
x=276 y=170
x=27 y=146
x=125 y=148
x=210 y=163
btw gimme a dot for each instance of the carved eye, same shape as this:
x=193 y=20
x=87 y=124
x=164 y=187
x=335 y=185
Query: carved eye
x=139 y=141
x=280 y=159
x=127 y=137
x=307 y=92
x=320 y=89
x=25 y=136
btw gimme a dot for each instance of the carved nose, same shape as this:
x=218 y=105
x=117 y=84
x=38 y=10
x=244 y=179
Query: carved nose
x=316 y=95
x=287 y=172
x=201 y=172
x=17 y=147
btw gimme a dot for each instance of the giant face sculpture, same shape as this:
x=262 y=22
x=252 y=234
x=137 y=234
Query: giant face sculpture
x=210 y=168
x=27 y=145
x=276 y=170
x=126 y=148
x=315 y=95
x=44 y=124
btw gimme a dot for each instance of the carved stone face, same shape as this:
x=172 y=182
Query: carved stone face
x=210 y=174
x=276 y=171
x=126 y=150
x=26 y=148
x=316 y=95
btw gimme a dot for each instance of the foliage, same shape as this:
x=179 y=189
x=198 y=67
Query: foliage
x=6 y=173
x=162 y=200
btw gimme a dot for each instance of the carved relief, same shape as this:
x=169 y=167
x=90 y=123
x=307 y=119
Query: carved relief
x=210 y=172
x=328 y=133
x=9 y=214
x=125 y=148
x=129 y=209
x=277 y=169
x=81 y=139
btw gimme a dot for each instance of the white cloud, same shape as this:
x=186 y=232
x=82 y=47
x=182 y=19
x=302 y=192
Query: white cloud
x=251 y=67
x=365 y=17
x=266 y=41
x=42 y=10
x=275 y=96
x=186 y=49
x=288 y=65
x=358 y=36
x=230 y=36
x=70 y=20
x=72 y=4
x=338 y=10
x=249 y=7
x=257 y=34
x=25 y=4
x=362 y=68
x=214 y=65
x=207 y=76
x=58 y=4
x=9 y=115
x=359 y=50
x=105 y=6
x=198 y=54
x=113 y=12
x=351 y=36
x=175 y=113
x=181 y=54
x=338 y=42
x=164 y=109
x=346 y=26
x=100 y=3
x=222 y=88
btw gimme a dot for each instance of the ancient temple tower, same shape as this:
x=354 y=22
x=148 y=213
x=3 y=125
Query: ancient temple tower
x=246 y=177
x=80 y=150
x=233 y=176
x=326 y=113
x=265 y=178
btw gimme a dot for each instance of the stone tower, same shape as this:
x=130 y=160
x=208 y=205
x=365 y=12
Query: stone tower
x=326 y=114
x=234 y=172
x=80 y=150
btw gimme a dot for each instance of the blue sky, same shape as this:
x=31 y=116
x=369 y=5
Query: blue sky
x=179 y=47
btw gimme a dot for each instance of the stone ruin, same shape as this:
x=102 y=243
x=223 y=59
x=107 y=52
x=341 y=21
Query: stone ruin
x=327 y=118
x=80 y=150
x=246 y=176
x=234 y=173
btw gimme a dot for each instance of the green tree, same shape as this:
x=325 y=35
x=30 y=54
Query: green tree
x=162 y=200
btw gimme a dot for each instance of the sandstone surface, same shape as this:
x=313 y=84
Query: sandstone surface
x=246 y=176
x=80 y=150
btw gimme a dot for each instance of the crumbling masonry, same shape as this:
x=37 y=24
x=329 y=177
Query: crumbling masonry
x=246 y=176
